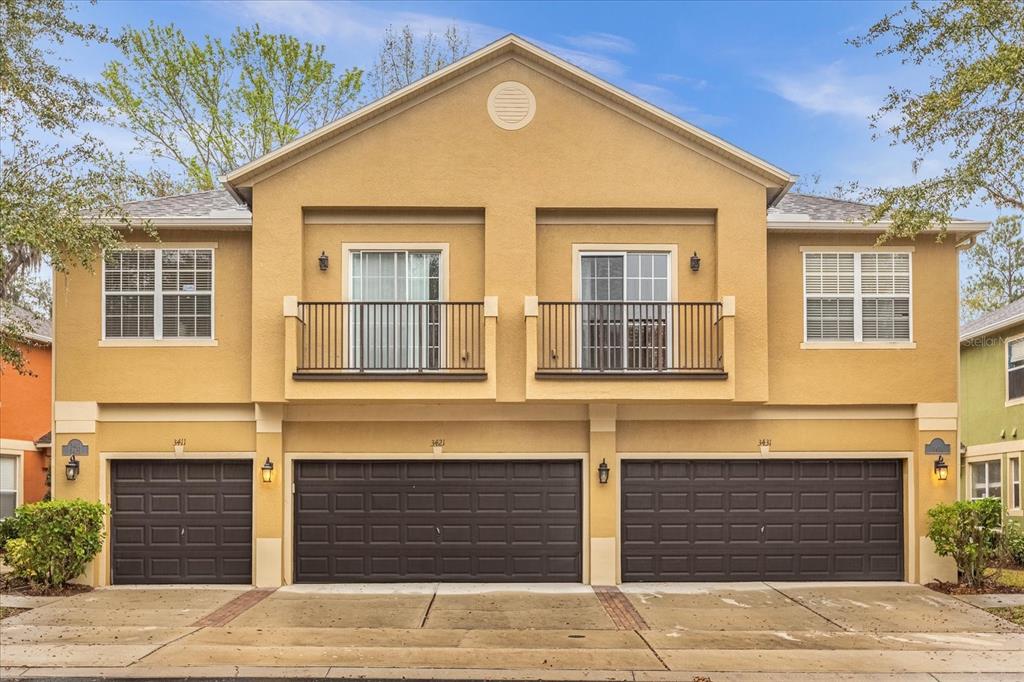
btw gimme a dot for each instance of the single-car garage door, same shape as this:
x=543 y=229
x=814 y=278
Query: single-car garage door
x=701 y=520
x=181 y=521
x=391 y=521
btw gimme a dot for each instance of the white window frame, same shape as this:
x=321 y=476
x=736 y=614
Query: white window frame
x=1014 y=480
x=1006 y=372
x=158 y=300
x=998 y=461
x=858 y=298
x=18 y=489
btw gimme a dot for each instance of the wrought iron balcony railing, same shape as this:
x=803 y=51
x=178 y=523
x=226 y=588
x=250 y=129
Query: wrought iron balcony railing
x=630 y=338
x=384 y=338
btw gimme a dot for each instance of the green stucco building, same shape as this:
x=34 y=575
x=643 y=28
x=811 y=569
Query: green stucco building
x=992 y=405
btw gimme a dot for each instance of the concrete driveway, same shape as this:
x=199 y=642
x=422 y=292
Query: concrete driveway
x=639 y=632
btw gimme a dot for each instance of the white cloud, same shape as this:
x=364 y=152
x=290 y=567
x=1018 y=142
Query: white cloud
x=361 y=26
x=695 y=83
x=600 y=42
x=829 y=89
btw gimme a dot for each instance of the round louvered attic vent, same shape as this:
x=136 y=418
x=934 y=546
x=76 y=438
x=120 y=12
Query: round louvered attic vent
x=511 y=105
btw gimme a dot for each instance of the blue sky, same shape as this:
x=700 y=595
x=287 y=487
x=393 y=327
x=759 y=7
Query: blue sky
x=776 y=78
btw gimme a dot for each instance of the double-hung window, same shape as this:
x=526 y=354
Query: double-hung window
x=986 y=479
x=158 y=294
x=857 y=296
x=8 y=485
x=1015 y=369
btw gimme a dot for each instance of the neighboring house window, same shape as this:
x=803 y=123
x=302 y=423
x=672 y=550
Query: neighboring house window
x=986 y=479
x=158 y=294
x=1015 y=483
x=8 y=486
x=1015 y=369
x=857 y=296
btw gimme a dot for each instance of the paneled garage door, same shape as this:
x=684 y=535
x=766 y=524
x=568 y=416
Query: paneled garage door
x=699 y=520
x=175 y=521
x=392 y=521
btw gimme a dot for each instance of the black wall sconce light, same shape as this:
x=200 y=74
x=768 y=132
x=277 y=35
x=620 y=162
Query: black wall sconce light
x=71 y=469
x=267 y=471
x=695 y=262
x=603 y=472
x=937 y=448
x=324 y=261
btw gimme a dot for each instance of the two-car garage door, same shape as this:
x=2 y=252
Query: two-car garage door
x=713 y=520
x=486 y=520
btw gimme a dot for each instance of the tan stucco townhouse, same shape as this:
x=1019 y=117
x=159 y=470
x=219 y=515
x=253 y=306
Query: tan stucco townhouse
x=510 y=323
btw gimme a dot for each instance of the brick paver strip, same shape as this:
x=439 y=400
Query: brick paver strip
x=233 y=608
x=620 y=609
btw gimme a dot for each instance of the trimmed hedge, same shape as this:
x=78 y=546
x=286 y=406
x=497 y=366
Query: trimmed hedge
x=57 y=539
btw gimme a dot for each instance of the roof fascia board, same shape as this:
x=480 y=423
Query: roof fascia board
x=142 y=222
x=246 y=175
x=851 y=226
x=993 y=327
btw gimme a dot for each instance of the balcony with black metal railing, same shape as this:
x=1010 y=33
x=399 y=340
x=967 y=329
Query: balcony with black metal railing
x=632 y=342
x=388 y=342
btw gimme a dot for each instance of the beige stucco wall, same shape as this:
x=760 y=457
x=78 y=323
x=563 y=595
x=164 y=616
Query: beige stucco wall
x=149 y=372
x=576 y=154
x=925 y=373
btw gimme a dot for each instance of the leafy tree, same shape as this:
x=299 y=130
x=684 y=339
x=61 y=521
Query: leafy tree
x=210 y=107
x=998 y=263
x=57 y=199
x=971 y=110
x=404 y=59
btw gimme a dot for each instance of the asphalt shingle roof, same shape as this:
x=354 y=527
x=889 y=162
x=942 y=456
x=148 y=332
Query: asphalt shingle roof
x=811 y=207
x=995 y=320
x=214 y=203
x=36 y=325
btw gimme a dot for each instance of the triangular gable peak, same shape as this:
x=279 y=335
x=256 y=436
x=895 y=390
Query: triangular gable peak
x=775 y=180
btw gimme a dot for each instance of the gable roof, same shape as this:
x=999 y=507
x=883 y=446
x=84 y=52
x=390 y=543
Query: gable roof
x=777 y=181
x=36 y=328
x=997 y=320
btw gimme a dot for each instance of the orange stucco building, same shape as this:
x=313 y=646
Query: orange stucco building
x=25 y=403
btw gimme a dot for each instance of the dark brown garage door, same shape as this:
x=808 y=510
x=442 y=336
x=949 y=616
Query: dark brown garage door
x=181 y=521
x=694 y=520
x=514 y=521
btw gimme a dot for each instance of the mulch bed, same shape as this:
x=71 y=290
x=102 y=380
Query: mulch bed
x=12 y=585
x=990 y=587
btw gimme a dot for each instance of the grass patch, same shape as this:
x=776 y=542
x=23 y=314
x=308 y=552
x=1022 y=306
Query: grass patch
x=8 y=611
x=1011 y=577
x=1014 y=614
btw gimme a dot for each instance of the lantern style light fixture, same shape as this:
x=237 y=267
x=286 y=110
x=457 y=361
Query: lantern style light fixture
x=267 y=471
x=602 y=472
x=71 y=469
x=941 y=469
x=324 y=261
x=695 y=262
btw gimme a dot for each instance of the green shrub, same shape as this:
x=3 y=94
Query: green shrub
x=8 y=531
x=57 y=539
x=1012 y=545
x=968 y=531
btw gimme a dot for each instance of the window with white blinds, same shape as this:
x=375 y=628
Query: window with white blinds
x=857 y=296
x=158 y=294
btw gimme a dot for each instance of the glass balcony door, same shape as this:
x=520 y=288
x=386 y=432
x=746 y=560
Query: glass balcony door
x=395 y=325
x=624 y=319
